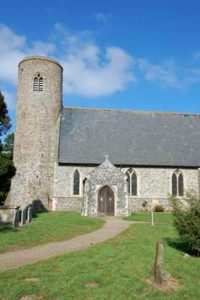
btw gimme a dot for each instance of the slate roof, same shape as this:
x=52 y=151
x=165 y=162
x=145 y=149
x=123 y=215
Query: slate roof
x=129 y=138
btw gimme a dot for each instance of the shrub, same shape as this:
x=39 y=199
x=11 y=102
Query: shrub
x=187 y=221
x=158 y=208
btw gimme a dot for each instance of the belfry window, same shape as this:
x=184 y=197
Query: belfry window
x=38 y=83
x=76 y=183
x=131 y=182
x=177 y=184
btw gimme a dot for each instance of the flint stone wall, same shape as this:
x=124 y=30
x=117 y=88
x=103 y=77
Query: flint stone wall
x=37 y=119
x=68 y=204
x=154 y=187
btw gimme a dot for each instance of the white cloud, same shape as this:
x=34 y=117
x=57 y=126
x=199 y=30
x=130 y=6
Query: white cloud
x=196 y=56
x=100 y=17
x=11 y=53
x=86 y=71
x=88 y=75
x=41 y=48
x=192 y=76
x=165 y=73
x=14 y=48
x=89 y=70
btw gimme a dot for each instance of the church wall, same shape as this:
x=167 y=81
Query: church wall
x=154 y=186
x=62 y=194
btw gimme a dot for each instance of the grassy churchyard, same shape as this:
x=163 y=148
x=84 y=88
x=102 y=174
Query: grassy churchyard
x=115 y=270
x=45 y=228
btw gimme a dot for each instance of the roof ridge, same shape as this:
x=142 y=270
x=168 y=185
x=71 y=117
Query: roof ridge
x=131 y=111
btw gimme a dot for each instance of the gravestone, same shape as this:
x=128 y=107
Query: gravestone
x=9 y=215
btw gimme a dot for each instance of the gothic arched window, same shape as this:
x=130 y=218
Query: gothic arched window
x=177 y=184
x=131 y=182
x=134 y=184
x=76 y=183
x=38 y=83
x=174 y=184
x=180 y=185
x=128 y=182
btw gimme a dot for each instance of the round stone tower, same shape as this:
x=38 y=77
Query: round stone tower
x=39 y=103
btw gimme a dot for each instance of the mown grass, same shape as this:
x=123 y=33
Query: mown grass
x=45 y=228
x=114 y=270
x=164 y=217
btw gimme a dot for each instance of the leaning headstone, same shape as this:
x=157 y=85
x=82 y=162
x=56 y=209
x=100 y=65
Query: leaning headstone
x=9 y=215
x=159 y=273
x=159 y=278
x=23 y=217
x=16 y=218
x=29 y=214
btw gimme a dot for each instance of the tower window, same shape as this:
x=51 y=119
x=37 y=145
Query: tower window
x=38 y=83
x=177 y=184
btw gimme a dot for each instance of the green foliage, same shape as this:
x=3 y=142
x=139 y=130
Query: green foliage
x=187 y=221
x=8 y=144
x=4 y=118
x=7 y=169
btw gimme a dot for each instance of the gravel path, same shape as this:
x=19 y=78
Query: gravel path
x=19 y=258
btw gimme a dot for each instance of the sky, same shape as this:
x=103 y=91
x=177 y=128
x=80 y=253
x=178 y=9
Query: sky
x=130 y=54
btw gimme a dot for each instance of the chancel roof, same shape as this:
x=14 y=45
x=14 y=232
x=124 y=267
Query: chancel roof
x=131 y=138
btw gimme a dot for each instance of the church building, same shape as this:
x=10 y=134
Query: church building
x=97 y=161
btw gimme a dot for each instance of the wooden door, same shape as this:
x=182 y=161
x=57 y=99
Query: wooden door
x=106 y=201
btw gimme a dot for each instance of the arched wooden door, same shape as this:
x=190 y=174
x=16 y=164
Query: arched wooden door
x=106 y=202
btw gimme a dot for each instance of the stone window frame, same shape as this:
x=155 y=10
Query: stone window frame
x=80 y=179
x=177 y=173
x=129 y=172
x=38 y=82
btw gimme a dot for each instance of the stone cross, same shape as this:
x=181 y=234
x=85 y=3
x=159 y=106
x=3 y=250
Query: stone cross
x=106 y=157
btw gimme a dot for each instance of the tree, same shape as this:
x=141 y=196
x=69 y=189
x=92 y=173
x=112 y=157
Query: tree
x=8 y=145
x=7 y=169
x=4 y=117
x=187 y=221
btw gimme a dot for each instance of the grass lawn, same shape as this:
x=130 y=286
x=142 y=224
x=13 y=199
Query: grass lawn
x=45 y=228
x=114 y=270
x=164 y=217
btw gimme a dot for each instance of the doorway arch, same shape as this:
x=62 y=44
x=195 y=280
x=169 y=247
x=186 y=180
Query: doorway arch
x=106 y=200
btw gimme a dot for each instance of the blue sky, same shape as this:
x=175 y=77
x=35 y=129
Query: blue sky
x=142 y=55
